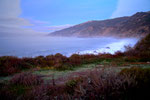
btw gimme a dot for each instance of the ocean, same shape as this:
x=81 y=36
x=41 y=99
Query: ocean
x=36 y=46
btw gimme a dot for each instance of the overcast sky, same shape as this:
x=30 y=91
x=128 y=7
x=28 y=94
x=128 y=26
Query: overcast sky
x=35 y=17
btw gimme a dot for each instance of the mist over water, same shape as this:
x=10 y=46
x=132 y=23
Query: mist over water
x=36 y=46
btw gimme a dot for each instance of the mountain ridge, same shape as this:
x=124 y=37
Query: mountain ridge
x=137 y=25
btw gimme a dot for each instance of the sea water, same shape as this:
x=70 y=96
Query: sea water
x=36 y=46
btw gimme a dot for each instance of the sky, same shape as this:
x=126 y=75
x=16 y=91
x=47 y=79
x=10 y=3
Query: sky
x=40 y=17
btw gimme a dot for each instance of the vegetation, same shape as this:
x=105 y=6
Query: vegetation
x=99 y=83
x=141 y=49
x=129 y=84
x=11 y=65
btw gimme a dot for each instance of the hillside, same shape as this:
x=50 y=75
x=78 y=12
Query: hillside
x=144 y=44
x=142 y=48
x=137 y=25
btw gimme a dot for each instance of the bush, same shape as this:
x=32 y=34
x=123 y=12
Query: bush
x=142 y=78
x=10 y=65
x=141 y=49
x=47 y=92
x=26 y=79
x=129 y=84
x=142 y=75
x=72 y=84
x=102 y=86
x=75 y=59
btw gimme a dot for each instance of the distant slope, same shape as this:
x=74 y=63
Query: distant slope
x=137 y=25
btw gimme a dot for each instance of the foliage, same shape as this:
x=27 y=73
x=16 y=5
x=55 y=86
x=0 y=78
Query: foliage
x=142 y=78
x=26 y=79
x=10 y=65
x=141 y=49
x=129 y=84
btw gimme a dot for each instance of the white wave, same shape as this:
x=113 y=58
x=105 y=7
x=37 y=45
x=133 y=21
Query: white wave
x=112 y=47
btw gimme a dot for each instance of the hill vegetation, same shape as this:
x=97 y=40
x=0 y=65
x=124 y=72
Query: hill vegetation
x=137 y=25
x=141 y=49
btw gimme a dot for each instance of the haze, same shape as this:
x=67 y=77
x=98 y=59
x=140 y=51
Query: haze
x=25 y=24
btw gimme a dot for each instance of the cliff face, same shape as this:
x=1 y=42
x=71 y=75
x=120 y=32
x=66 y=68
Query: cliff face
x=137 y=25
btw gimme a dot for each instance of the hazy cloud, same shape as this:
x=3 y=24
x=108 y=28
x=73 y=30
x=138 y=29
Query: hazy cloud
x=13 y=25
x=10 y=8
x=9 y=13
x=60 y=27
x=43 y=26
x=10 y=22
x=129 y=7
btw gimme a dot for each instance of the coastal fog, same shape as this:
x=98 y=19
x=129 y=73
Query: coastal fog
x=36 y=46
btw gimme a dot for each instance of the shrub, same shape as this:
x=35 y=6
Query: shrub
x=26 y=79
x=72 y=84
x=10 y=65
x=47 y=92
x=142 y=78
x=142 y=75
x=101 y=86
x=129 y=84
x=119 y=54
x=75 y=59
x=141 y=49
